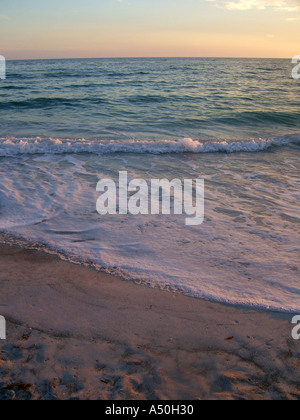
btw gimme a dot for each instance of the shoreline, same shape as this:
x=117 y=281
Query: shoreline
x=19 y=243
x=74 y=332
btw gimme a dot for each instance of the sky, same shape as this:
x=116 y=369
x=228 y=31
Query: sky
x=32 y=29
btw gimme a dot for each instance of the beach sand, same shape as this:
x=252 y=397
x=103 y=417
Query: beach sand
x=74 y=333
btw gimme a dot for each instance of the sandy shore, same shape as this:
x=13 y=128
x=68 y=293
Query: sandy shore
x=76 y=333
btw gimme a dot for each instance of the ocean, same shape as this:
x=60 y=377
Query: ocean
x=65 y=124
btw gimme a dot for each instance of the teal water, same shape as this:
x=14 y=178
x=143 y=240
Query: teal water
x=150 y=99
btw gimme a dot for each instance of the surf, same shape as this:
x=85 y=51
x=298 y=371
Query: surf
x=10 y=147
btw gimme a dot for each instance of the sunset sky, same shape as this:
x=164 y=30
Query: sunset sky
x=149 y=28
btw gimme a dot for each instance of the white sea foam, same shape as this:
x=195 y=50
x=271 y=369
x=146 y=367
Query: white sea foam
x=22 y=146
x=246 y=251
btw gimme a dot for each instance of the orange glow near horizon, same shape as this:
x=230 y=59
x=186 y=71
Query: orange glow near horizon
x=139 y=28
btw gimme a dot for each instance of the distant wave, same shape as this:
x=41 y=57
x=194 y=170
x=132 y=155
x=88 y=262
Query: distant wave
x=10 y=147
x=39 y=103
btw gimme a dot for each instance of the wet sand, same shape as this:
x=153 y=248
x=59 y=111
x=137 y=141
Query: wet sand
x=74 y=333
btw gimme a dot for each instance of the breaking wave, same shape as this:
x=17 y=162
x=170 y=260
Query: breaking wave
x=10 y=147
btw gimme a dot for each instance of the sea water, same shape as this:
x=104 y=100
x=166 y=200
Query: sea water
x=66 y=124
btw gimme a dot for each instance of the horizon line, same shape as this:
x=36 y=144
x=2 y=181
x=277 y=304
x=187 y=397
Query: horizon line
x=150 y=57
